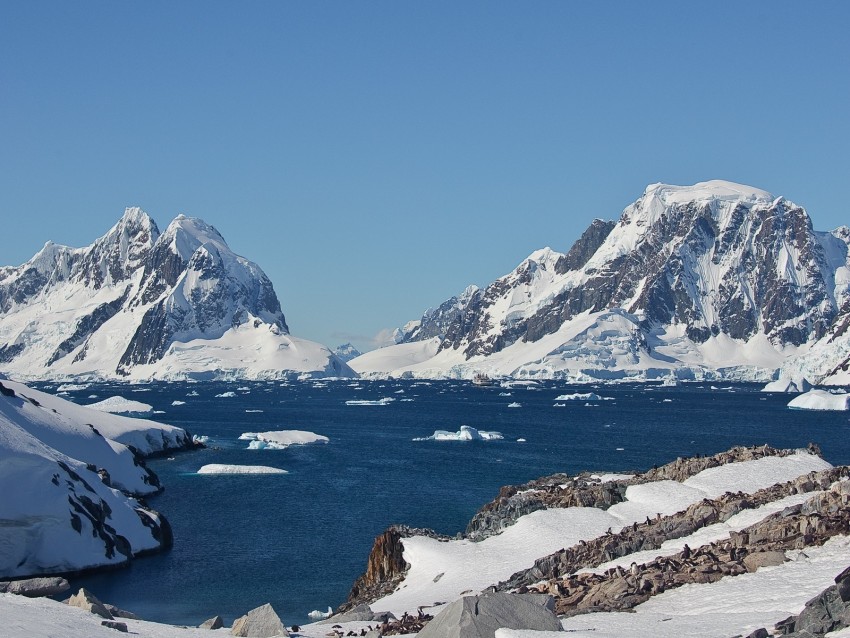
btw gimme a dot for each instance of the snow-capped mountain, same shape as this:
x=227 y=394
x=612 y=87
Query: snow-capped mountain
x=143 y=304
x=712 y=279
x=347 y=352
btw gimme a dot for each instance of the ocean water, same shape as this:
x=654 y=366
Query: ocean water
x=299 y=540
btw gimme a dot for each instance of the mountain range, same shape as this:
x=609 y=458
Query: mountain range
x=141 y=304
x=714 y=280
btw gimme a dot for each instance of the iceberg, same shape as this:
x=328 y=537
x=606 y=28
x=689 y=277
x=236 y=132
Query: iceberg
x=384 y=401
x=466 y=433
x=280 y=439
x=221 y=468
x=320 y=615
x=786 y=384
x=176 y=402
x=820 y=400
x=515 y=404
x=582 y=396
x=225 y=395
x=118 y=405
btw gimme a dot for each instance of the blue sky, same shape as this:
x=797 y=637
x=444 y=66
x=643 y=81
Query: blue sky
x=374 y=158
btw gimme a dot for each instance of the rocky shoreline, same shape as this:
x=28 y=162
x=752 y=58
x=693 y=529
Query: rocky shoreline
x=576 y=587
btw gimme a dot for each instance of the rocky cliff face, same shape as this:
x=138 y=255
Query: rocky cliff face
x=133 y=295
x=683 y=266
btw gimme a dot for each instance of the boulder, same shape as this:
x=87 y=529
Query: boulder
x=480 y=616
x=361 y=613
x=118 y=626
x=262 y=622
x=35 y=587
x=120 y=613
x=84 y=599
x=216 y=622
x=757 y=560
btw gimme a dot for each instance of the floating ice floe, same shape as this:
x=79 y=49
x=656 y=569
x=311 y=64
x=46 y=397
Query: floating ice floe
x=225 y=395
x=582 y=396
x=466 y=433
x=252 y=411
x=200 y=438
x=221 y=468
x=515 y=404
x=820 y=400
x=119 y=405
x=281 y=439
x=320 y=615
x=178 y=403
x=71 y=387
x=384 y=401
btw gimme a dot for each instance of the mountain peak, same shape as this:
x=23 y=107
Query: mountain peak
x=713 y=189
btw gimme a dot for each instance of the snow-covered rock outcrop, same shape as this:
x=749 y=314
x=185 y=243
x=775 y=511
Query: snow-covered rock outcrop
x=69 y=478
x=705 y=281
x=142 y=304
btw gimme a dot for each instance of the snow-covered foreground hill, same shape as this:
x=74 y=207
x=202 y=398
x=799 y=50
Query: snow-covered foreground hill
x=68 y=473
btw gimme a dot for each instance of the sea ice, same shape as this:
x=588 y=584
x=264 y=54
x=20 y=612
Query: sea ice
x=117 y=405
x=582 y=396
x=221 y=468
x=225 y=395
x=178 y=403
x=384 y=401
x=515 y=404
x=820 y=400
x=280 y=439
x=466 y=433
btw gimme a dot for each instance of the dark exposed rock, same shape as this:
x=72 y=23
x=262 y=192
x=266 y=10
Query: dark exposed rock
x=385 y=566
x=586 y=246
x=113 y=624
x=827 y=612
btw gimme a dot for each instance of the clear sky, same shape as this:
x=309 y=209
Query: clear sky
x=375 y=158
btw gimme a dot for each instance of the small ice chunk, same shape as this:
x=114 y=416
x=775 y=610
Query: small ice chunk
x=515 y=404
x=280 y=439
x=320 y=615
x=582 y=396
x=220 y=468
x=178 y=403
x=466 y=433
x=384 y=401
x=225 y=395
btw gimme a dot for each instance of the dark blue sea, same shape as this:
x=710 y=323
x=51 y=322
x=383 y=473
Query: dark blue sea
x=299 y=540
